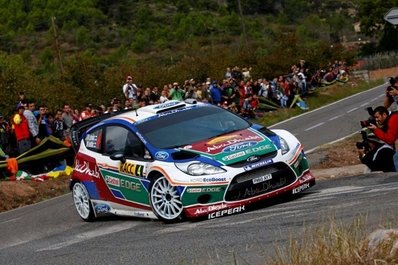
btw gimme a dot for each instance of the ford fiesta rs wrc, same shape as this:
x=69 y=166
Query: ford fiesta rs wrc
x=182 y=160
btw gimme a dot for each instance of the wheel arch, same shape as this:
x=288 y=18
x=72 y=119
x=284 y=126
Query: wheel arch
x=154 y=174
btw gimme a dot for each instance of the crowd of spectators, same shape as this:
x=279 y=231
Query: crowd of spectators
x=237 y=91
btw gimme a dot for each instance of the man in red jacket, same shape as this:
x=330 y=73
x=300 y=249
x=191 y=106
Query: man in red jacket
x=387 y=129
x=21 y=130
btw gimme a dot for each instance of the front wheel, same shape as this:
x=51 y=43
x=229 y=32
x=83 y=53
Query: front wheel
x=165 y=200
x=82 y=202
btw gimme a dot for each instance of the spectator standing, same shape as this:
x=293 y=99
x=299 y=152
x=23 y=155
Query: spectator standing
x=228 y=92
x=246 y=73
x=228 y=73
x=146 y=95
x=256 y=86
x=58 y=126
x=21 y=130
x=21 y=97
x=32 y=121
x=247 y=107
x=263 y=92
x=198 y=92
x=4 y=134
x=67 y=118
x=44 y=125
x=127 y=104
x=86 y=113
x=205 y=92
x=130 y=89
x=154 y=96
x=302 y=84
x=176 y=93
x=76 y=115
x=163 y=97
x=215 y=93
x=242 y=93
x=236 y=74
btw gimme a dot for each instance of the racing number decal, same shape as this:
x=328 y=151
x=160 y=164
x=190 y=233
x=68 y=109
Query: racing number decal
x=133 y=169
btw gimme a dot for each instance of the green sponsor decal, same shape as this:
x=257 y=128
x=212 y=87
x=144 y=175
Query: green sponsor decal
x=259 y=149
x=203 y=194
x=131 y=188
x=300 y=165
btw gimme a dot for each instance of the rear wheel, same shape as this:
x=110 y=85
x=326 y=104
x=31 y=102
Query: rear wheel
x=165 y=201
x=82 y=202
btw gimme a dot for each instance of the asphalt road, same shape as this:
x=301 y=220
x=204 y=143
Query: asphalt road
x=52 y=233
x=334 y=121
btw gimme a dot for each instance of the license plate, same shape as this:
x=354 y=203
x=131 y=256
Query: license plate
x=262 y=178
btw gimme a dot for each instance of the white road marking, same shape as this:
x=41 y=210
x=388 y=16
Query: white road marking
x=364 y=104
x=11 y=220
x=297 y=207
x=90 y=235
x=331 y=104
x=316 y=125
x=351 y=110
x=335 y=117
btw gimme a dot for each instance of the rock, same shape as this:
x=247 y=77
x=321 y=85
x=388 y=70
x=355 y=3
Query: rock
x=383 y=236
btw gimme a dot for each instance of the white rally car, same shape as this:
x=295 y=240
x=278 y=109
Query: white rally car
x=180 y=159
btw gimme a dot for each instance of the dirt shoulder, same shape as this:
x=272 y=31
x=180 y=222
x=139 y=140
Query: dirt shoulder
x=338 y=159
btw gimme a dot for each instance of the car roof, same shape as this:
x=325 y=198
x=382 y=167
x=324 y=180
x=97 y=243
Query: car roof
x=150 y=111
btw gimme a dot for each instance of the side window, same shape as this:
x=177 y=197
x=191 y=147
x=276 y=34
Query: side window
x=93 y=140
x=115 y=139
x=120 y=139
x=134 y=147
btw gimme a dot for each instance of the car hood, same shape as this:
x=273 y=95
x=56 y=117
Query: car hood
x=234 y=147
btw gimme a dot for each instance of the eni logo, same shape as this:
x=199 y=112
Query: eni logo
x=133 y=169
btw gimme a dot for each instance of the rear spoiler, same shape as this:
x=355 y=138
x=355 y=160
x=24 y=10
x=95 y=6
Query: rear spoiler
x=79 y=128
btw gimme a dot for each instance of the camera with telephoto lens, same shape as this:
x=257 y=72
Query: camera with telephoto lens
x=364 y=144
x=370 y=120
x=392 y=86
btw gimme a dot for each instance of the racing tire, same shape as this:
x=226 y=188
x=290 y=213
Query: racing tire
x=82 y=202
x=165 y=200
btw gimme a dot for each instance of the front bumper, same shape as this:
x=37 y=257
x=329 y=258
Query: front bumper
x=225 y=208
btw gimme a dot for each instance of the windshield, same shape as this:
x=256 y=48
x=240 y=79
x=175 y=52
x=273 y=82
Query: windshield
x=189 y=126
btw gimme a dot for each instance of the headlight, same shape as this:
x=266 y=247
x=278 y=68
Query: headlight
x=284 y=146
x=199 y=168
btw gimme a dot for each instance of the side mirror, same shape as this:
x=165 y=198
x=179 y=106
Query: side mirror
x=118 y=156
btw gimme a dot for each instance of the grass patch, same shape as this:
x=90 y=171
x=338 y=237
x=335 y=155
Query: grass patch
x=338 y=244
x=320 y=97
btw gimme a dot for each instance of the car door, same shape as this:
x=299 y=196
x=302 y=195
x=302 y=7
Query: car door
x=123 y=166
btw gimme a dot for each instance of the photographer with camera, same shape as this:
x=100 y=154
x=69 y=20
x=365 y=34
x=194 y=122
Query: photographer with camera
x=391 y=92
x=387 y=129
x=375 y=154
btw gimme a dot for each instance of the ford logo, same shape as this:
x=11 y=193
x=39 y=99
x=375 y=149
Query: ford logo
x=252 y=159
x=239 y=146
x=102 y=208
x=161 y=155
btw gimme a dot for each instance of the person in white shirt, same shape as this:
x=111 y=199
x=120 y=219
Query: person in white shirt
x=130 y=89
